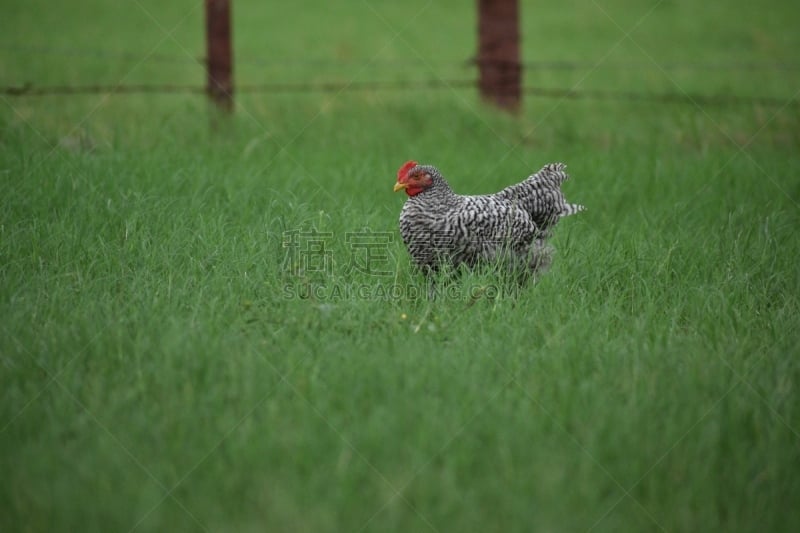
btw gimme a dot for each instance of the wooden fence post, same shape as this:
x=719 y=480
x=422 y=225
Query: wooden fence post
x=498 y=53
x=219 y=56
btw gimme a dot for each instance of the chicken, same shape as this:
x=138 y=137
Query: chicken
x=512 y=226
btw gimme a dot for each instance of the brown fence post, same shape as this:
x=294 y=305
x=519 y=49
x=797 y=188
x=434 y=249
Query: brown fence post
x=219 y=57
x=498 y=53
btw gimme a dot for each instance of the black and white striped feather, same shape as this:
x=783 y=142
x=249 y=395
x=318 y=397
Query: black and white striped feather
x=439 y=226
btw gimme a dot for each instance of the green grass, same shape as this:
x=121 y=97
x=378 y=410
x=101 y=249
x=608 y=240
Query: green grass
x=156 y=377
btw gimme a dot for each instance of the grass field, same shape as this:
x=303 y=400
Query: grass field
x=161 y=366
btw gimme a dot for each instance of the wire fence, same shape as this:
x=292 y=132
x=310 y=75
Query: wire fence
x=92 y=53
x=337 y=87
x=32 y=90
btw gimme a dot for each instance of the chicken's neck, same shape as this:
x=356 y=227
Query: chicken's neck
x=439 y=193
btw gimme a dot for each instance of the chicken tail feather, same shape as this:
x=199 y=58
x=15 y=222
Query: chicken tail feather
x=571 y=209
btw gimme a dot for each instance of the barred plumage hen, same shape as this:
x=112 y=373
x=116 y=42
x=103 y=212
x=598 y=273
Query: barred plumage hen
x=439 y=226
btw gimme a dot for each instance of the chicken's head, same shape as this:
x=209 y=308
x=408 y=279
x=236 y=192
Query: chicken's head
x=413 y=178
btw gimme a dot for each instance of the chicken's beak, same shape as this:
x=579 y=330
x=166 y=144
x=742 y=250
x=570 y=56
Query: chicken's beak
x=398 y=186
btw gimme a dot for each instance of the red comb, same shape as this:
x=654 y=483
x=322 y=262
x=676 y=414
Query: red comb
x=408 y=165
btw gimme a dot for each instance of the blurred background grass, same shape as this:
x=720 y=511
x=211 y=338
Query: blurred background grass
x=155 y=377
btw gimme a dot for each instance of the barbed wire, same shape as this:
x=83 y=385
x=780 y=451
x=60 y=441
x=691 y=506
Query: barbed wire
x=470 y=62
x=30 y=90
